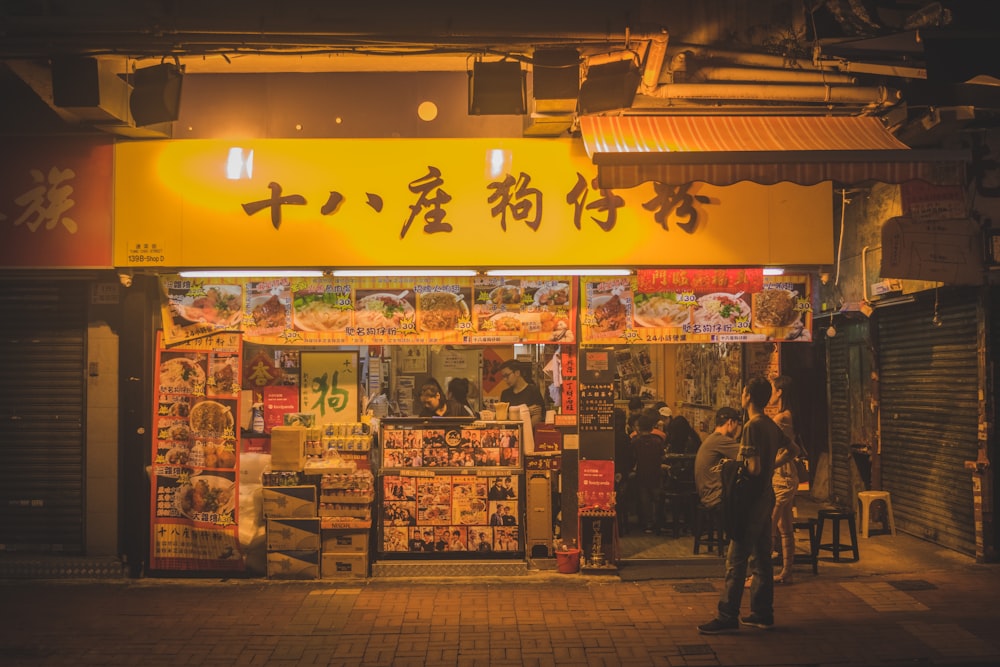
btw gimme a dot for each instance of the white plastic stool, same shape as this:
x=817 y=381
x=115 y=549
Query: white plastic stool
x=865 y=500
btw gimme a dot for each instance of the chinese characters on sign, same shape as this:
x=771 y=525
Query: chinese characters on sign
x=513 y=197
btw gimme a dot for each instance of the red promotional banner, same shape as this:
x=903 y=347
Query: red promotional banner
x=597 y=484
x=699 y=280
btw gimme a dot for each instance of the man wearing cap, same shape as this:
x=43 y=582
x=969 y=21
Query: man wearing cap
x=720 y=444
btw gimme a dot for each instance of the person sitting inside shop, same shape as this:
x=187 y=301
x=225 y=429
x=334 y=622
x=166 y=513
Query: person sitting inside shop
x=433 y=402
x=648 y=449
x=521 y=392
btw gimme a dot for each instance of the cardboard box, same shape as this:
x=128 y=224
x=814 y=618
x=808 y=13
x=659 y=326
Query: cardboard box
x=293 y=564
x=288 y=448
x=345 y=541
x=289 y=501
x=344 y=566
x=293 y=534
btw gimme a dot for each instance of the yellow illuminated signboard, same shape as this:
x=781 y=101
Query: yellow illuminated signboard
x=475 y=203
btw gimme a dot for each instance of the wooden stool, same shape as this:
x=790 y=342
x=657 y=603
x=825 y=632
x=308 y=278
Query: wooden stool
x=865 y=500
x=835 y=547
x=708 y=529
x=811 y=558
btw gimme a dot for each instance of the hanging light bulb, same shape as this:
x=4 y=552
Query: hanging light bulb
x=831 y=331
x=936 y=319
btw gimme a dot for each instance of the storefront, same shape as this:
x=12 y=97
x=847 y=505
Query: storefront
x=523 y=226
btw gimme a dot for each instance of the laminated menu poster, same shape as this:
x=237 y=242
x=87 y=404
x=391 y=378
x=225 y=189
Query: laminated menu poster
x=195 y=492
x=696 y=306
x=450 y=513
x=372 y=311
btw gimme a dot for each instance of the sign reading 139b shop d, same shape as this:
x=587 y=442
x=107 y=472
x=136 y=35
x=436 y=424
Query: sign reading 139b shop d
x=477 y=203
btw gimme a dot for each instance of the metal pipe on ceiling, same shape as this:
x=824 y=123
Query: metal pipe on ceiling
x=759 y=74
x=819 y=94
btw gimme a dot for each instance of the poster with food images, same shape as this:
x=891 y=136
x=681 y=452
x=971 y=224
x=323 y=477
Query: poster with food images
x=372 y=311
x=696 y=306
x=194 y=489
x=196 y=308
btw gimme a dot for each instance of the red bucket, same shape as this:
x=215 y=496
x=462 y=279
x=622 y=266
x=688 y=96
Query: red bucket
x=568 y=561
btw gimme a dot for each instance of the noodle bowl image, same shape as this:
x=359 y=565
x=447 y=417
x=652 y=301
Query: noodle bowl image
x=775 y=308
x=441 y=311
x=660 y=310
x=322 y=311
x=720 y=308
x=381 y=310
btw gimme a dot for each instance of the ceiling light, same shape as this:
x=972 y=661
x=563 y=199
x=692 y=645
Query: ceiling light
x=253 y=273
x=404 y=273
x=559 y=272
x=239 y=164
x=773 y=271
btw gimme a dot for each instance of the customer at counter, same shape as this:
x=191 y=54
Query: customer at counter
x=521 y=392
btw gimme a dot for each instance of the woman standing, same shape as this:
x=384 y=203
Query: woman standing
x=785 y=479
x=458 y=391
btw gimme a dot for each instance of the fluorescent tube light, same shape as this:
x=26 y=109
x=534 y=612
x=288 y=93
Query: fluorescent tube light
x=559 y=272
x=252 y=273
x=773 y=271
x=404 y=273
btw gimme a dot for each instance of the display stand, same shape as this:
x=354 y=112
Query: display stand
x=598 y=530
x=598 y=524
x=450 y=489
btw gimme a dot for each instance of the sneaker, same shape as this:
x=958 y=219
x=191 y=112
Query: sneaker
x=718 y=626
x=758 y=621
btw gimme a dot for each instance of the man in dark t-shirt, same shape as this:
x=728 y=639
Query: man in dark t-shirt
x=520 y=392
x=752 y=542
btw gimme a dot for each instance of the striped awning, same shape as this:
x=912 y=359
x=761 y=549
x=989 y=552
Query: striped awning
x=722 y=150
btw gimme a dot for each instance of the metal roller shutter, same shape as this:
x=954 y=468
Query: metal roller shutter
x=930 y=389
x=42 y=397
x=840 y=416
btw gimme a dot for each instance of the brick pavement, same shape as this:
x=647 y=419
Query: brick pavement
x=943 y=613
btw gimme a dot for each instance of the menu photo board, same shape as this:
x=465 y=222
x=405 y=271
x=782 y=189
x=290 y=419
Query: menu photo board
x=696 y=306
x=196 y=447
x=373 y=311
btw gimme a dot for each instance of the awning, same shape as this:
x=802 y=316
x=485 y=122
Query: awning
x=722 y=150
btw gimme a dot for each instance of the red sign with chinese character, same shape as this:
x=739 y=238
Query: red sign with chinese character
x=696 y=280
x=55 y=201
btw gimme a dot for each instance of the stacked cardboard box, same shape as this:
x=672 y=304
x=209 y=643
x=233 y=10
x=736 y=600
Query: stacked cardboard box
x=293 y=526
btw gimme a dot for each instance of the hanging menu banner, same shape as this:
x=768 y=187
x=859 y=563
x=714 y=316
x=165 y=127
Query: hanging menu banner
x=696 y=306
x=372 y=311
x=195 y=493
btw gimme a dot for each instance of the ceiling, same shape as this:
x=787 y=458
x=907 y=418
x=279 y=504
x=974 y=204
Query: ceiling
x=720 y=56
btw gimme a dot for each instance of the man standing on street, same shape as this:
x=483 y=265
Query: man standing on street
x=752 y=538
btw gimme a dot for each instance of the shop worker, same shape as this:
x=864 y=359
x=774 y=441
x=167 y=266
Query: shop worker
x=521 y=392
x=433 y=402
x=719 y=445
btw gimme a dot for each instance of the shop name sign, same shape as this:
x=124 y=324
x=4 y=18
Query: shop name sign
x=475 y=202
